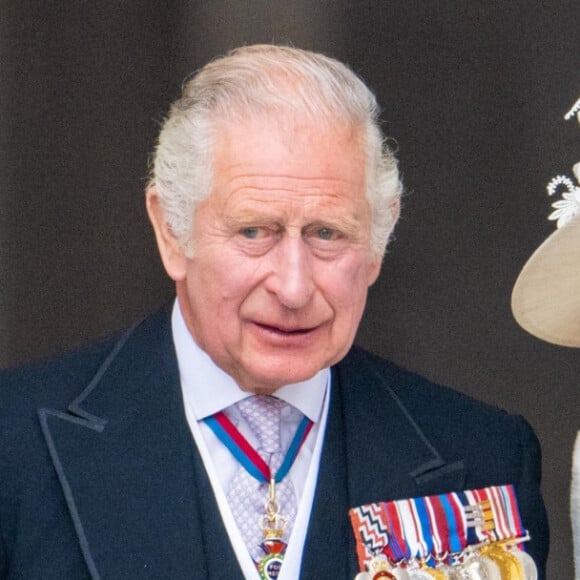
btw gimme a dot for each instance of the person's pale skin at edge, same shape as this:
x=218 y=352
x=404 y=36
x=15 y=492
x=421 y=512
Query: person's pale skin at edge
x=277 y=281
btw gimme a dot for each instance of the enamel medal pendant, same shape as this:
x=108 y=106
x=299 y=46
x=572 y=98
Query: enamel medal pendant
x=274 y=526
x=380 y=567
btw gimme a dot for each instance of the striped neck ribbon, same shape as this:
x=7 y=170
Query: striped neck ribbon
x=247 y=456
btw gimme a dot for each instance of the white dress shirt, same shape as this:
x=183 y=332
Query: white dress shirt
x=206 y=390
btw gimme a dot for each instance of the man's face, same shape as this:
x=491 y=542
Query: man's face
x=281 y=263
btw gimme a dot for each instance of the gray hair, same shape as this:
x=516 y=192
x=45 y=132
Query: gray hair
x=263 y=80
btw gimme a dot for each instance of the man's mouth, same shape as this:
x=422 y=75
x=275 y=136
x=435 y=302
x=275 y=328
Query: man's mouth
x=285 y=331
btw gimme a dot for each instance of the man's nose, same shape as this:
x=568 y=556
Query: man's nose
x=291 y=278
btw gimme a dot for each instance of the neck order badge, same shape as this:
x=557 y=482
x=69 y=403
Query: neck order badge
x=273 y=523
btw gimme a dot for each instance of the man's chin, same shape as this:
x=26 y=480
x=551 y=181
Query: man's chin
x=265 y=380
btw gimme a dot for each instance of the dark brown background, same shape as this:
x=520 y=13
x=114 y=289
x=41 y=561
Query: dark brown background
x=473 y=92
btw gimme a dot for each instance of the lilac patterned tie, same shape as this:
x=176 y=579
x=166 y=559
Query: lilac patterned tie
x=246 y=495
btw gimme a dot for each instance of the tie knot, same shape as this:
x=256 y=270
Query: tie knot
x=263 y=416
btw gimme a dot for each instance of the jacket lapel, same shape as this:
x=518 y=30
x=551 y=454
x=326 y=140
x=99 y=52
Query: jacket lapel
x=374 y=450
x=389 y=455
x=125 y=459
x=220 y=559
x=329 y=550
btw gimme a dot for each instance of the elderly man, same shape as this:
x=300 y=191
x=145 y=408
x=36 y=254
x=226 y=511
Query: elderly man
x=241 y=434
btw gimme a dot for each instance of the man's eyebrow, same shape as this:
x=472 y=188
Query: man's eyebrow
x=251 y=218
x=345 y=224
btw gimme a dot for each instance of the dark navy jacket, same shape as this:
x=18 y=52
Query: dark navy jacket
x=100 y=477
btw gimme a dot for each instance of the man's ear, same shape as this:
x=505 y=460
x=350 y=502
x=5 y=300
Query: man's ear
x=172 y=254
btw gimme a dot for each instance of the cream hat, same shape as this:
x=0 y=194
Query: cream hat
x=546 y=295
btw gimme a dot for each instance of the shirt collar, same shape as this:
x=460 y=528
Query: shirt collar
x=200 y=377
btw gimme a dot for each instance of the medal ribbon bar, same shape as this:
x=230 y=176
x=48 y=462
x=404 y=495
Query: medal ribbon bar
x=457 y=530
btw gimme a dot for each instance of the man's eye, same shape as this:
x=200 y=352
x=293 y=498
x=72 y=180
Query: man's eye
x=326 y=233
x=250 y=233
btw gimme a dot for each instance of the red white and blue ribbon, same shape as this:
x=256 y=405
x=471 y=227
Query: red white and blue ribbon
x=437 y=527
x=247 y=456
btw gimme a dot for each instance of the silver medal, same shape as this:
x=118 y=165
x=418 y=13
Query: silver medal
x=400 y=573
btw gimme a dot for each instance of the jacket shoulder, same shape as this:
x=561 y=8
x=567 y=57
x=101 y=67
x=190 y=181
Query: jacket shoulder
x=495 y=447
x=370 y=372
x=54 y=382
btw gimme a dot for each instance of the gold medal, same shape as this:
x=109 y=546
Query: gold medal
x=509 y=566
x=273 y=523
x=529 y=566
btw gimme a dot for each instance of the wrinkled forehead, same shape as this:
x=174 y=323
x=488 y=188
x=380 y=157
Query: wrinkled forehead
x=293 y=128
x=282 y=141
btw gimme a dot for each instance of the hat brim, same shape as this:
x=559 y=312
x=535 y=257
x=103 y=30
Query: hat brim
x=546 y=295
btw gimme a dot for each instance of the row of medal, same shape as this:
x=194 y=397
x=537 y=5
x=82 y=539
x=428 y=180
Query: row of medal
x=468 y=535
